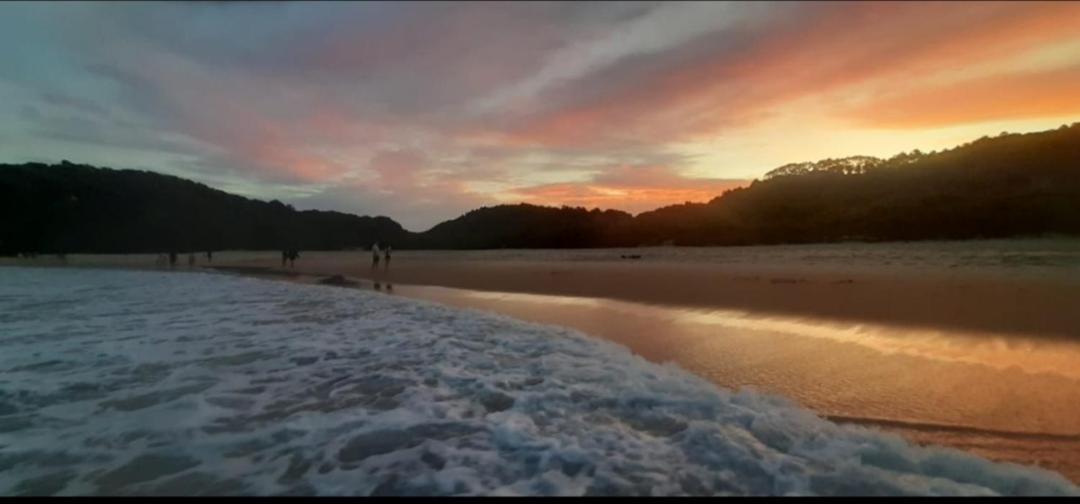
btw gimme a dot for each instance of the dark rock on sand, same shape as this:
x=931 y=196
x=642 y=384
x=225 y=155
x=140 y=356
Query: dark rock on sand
x=338 y=280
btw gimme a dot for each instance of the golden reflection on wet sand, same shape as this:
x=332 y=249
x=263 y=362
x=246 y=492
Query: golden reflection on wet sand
x=1001 y=396
x=1031 y=355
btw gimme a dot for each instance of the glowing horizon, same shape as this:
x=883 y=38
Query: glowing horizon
x=422 y=111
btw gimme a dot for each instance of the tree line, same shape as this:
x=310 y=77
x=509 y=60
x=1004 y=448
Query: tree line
x=995 y=187
x=67 y=208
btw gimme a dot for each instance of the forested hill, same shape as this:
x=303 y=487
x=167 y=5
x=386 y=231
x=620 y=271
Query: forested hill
x=1009 y=185
x=530 y=226
x=78 y=208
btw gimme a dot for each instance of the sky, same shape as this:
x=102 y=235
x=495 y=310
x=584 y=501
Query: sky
x=423 y=111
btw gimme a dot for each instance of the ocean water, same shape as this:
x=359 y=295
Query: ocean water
x=156 y=383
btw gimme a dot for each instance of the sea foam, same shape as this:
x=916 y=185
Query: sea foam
x=153 y=383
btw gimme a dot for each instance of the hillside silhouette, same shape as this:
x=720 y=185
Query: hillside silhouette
x=530 y=226
x=68 y=207
x=994 y=187
x=1009 y=185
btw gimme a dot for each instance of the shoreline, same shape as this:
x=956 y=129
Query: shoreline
x=1029 y=306
x=995 y=443
x=1051 y=449
x=343 y=371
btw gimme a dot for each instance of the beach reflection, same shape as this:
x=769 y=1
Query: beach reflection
x=1006 y=397
x=1031 y=355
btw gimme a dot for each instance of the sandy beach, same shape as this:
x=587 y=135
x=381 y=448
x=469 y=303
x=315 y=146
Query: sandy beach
x=1040 y=306
x=976 y=360
x=1044 y=308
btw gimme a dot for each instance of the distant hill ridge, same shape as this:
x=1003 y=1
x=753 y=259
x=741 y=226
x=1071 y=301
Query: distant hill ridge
x=78 y=208
x=994 y=187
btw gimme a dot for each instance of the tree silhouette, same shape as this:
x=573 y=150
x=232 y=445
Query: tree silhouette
x=1008 y=185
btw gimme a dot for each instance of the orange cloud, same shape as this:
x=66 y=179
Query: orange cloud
x=1043 y=94
x=831 y=49
x=634 y=199
x=630 y=188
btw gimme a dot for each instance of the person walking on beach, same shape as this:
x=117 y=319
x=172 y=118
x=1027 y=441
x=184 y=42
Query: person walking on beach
x=172 y=259
x=386 y=257
x=209 y=256
x=375 y=255
x=293 y=256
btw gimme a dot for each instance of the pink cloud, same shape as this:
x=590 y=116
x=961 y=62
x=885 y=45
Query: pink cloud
x=398 y=169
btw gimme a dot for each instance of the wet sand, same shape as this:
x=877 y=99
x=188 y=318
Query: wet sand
x=1034 y=307
x=1028 y=306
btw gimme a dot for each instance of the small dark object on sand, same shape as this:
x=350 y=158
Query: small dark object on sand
x=338 y=280
x=787 y=280
x=631 y=256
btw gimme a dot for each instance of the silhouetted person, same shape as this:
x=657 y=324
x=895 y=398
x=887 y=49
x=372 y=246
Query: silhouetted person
x=375 y=256
x=293 y=256
x=386 y=257
x=172 y=259
x=209 y=256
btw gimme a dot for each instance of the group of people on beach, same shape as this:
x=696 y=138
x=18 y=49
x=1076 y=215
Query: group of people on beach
x=375 y=256
x=172 y=257
x=60 y=256
x=386 y=264
x=288 y=257
x=291 y=256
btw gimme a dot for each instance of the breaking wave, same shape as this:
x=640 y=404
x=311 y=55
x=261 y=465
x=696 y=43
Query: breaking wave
x=148 y=383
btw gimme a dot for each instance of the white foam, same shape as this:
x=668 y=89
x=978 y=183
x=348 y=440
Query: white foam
x=146 y=383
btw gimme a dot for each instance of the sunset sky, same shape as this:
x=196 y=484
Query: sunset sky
x=421 y=111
